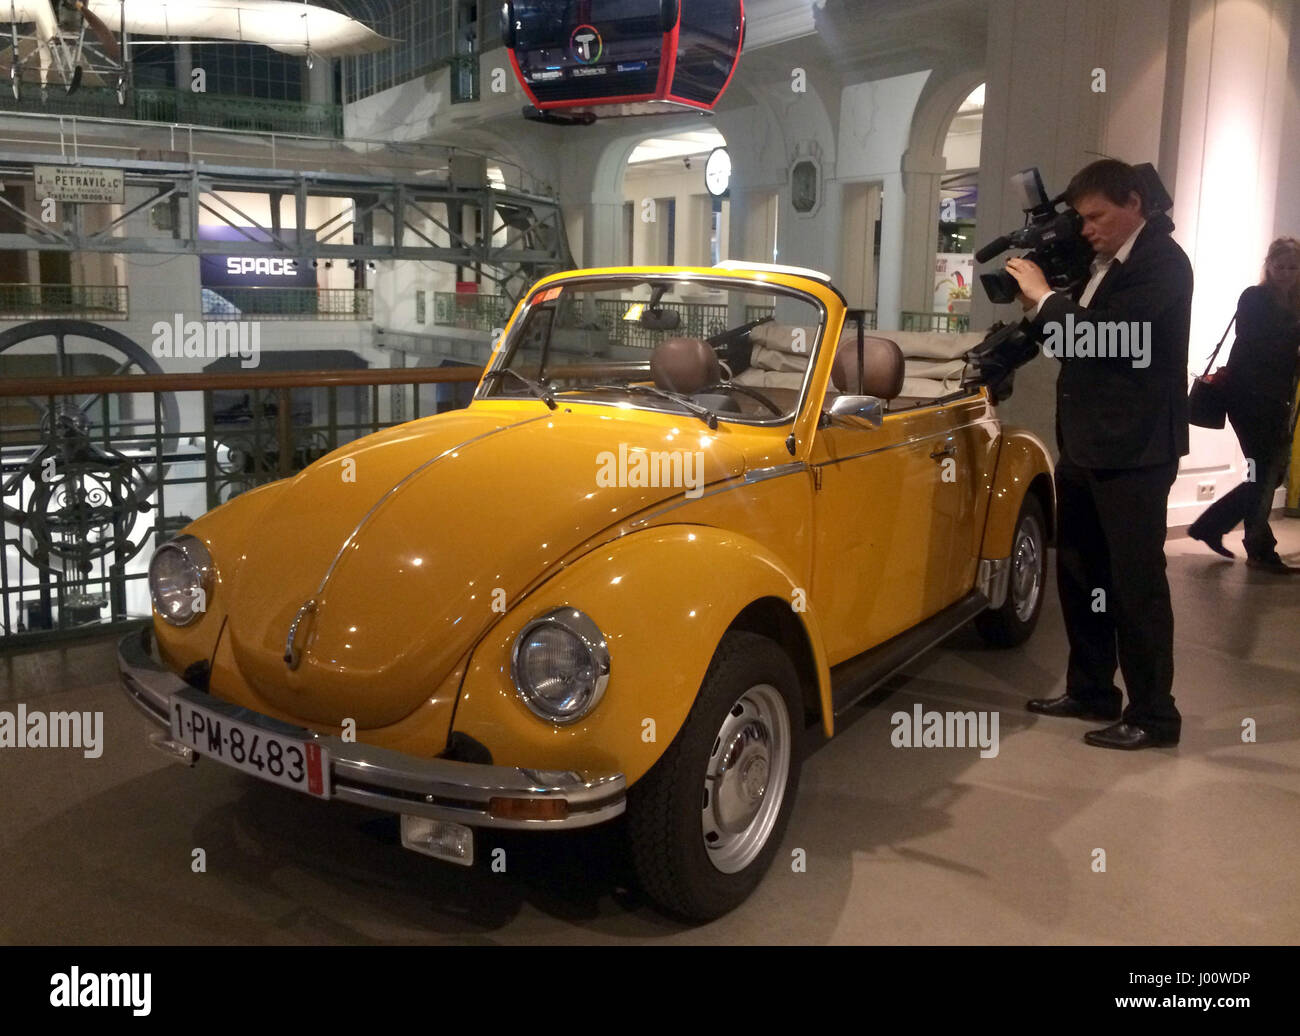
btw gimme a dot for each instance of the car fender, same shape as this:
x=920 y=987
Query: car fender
x=223 y=531
x=663 y=598
x=1024 y=466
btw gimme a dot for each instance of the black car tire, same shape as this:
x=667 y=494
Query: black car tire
x=750 y=692
x=1012 y=623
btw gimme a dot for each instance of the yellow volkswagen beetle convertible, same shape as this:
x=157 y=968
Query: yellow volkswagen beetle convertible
x=689 y=513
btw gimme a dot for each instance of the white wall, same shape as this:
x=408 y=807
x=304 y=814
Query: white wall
x=875 y=123
x=693 y=214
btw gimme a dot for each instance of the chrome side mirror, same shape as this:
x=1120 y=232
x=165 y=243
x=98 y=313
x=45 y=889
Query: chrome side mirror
x=867 y=408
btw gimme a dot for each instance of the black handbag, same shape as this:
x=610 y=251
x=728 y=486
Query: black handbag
x=1207 y=402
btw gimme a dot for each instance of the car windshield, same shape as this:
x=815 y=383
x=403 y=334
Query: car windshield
x=720 y=349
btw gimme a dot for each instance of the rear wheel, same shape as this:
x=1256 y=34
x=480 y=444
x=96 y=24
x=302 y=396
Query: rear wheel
x=1012 y=623
x=706 y=821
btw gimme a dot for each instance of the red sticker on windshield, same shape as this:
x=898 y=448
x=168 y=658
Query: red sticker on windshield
x=550 y=293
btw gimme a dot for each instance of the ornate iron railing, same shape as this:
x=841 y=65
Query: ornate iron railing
x=167 y=104
x=290 y=303
x=699 y=320
x=96 y=471
x=487 y=312
x=463 y=69
x=471 y=311
x=947 y=323
x=29 y=301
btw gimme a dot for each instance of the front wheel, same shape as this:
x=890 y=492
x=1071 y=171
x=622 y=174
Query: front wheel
x=706 y=821
x=1012 y=624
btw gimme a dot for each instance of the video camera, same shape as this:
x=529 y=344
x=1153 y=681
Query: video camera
x=1053 y=233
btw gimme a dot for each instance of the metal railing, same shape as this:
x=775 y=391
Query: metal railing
x=946 y=323
x=31 y=301
x=75 y=139
x=699 y=320
x=290 y=303
x=168 y=104
x=97 y=471
x=471 y=311
x=463 y=69
x=488 y=312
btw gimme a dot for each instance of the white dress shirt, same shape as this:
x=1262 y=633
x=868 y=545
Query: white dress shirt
x=1100 y=267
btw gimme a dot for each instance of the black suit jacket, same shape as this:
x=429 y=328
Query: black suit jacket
x=1110 y=414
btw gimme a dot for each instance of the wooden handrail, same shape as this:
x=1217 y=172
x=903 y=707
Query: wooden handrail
x=131 y=383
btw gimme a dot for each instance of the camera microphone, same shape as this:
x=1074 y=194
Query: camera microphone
x=993 y=249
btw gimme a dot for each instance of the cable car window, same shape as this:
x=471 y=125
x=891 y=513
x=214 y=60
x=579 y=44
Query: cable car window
x=580 y=49
x=707 y=44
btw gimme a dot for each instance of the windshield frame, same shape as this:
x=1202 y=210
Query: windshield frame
x=638 y=401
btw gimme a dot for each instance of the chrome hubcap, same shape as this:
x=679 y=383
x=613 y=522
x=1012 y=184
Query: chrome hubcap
x=745 y=782
x=1026 y=569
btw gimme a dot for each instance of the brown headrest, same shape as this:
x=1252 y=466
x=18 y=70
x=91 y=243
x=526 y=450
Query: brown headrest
x=684 y=365
x=882 y=362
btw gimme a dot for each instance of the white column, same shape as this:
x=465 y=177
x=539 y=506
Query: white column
x=892 y=217
x=1229 y=136
x=1230 y=132
x=921 y=181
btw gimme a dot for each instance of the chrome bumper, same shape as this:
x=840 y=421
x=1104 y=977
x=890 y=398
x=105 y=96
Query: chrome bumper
x=380 y=778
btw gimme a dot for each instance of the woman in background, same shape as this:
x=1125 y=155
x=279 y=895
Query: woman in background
x=1260 y=387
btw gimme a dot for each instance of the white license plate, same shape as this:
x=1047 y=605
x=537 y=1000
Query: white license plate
x=294 y=762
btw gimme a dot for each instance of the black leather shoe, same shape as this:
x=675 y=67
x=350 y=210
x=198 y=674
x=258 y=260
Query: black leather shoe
x=1215 y=543
x=1071 y=708
x=1128 y=736
x=1274 y=564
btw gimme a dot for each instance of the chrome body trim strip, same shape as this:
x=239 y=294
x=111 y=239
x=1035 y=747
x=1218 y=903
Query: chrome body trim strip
x=899 y=445
x=749 y=478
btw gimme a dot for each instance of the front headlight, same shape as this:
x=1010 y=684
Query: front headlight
x=180 y=579
x=560 y=665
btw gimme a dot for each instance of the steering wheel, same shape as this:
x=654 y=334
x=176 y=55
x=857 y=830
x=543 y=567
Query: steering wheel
x=723 y=338
x=744 y=390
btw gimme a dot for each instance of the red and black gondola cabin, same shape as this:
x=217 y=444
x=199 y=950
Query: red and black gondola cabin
x=579 y=59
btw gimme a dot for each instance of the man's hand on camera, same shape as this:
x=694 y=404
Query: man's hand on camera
x=1033 y=284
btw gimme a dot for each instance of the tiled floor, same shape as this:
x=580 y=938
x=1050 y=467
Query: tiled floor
x=902 y=845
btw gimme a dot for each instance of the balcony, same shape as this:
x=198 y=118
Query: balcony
x=290 y=303
x=166 y=104
x=471 y=312
x=699 y=320
x=34 y=301
x=943 y=323
x=464 y=78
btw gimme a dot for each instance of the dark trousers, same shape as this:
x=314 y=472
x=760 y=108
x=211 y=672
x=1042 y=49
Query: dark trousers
x=1110 y=567
x=1263 y=430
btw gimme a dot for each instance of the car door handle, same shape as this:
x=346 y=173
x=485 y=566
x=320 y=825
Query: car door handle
x=946 y=451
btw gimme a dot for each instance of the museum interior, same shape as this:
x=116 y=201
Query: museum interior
x=311 y=491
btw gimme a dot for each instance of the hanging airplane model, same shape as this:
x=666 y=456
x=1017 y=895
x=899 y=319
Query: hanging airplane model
x=56 y=31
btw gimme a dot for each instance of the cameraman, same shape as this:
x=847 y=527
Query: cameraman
x=1121 y=429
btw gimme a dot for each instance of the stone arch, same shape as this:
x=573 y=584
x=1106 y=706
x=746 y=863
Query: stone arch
x=923 y=169
x=597 y=192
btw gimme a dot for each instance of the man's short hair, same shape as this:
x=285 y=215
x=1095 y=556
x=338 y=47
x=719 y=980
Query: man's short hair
x=1110 y=177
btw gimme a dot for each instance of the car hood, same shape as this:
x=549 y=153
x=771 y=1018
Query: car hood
x=413 y=541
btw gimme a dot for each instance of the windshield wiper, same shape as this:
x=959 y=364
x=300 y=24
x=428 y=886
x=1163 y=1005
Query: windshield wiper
x=702 y=412
x=540 y=391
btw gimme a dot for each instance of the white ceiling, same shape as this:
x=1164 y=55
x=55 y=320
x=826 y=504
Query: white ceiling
x=695 y=142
